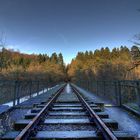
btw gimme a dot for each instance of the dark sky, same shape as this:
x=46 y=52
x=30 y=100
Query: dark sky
x=68 y=26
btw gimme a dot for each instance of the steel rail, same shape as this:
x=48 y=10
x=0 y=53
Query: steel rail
x=30 y=128
x=105 y=131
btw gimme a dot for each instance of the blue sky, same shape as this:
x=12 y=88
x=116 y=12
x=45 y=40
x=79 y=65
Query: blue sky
x=68 y=26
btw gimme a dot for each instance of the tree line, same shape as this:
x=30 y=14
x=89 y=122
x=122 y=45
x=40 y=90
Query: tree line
x=101 y=64
x=105 y=64
x=16 y=65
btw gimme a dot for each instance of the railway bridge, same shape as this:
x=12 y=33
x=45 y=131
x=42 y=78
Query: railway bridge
x=66 y=111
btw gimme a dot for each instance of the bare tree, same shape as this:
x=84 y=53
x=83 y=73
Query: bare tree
x=2 y=40
x=2 y=46
x=137 y=39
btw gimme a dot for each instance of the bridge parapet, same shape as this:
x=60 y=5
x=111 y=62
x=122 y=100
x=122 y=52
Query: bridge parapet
x=12 y=92
x=121 y=92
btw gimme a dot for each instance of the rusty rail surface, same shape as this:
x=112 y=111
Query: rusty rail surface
x=30 y=129
x=105 y=131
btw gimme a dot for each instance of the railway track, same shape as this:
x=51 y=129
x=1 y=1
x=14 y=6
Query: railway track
x=67 y=115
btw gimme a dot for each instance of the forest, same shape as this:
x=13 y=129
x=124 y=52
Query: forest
x=101 y=64
x=18 y=66
x=105 y=64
